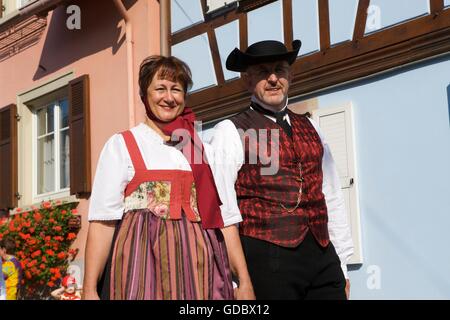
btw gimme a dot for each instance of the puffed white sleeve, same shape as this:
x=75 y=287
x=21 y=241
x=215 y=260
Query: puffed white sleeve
x=227 y=159
x=111 y=178
x=338 y=225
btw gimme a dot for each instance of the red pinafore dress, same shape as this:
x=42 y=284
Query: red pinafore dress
x=160 y=250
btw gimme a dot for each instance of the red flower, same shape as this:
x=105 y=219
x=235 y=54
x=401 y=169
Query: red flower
x=27 y=274
x=36 y=254
x=44 y=259
x=50 y=284
x=50 y=252
x=61 y=255
x=63 y=211
x=31 y=230
x=57 y=228
x=47 y=238
x=51 y=220
x=46 y=205
x=71 y=236
x=18 y=210
x=74 y=211
x=42 y=266
x=37 y=216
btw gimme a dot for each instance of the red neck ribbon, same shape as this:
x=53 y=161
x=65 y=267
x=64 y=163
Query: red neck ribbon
x=207 y=196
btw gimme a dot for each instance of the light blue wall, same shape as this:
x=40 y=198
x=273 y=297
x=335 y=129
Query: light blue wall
x=403 y=154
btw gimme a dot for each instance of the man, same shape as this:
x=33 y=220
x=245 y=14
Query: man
x=11 y=268
x=277 y=179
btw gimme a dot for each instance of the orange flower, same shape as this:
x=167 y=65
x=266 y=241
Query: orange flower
x=71 y=236
x=50 y=284
x=27 y=274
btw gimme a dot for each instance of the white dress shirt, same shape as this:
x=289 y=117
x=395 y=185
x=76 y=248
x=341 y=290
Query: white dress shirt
x=228 y=160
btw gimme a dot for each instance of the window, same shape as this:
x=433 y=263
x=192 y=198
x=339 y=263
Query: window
x=54 y=141
x=52 y=167
x=337 y=126
x=23 y=3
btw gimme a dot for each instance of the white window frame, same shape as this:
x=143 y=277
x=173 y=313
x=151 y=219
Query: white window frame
x=23 y=3
x=354 y=212
x=58 y=192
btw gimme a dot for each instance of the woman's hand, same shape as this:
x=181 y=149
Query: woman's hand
x=244 y=292
x=90 y=295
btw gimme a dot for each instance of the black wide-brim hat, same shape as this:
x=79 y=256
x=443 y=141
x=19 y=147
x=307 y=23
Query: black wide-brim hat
x=262 y=52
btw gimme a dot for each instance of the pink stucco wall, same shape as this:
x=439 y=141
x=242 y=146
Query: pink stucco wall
x=99 y=50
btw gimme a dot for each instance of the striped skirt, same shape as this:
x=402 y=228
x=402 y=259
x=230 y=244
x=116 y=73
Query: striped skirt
x=158 y=259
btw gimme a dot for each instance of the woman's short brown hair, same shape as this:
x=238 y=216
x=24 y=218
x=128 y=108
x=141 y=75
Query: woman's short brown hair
x=168 y=68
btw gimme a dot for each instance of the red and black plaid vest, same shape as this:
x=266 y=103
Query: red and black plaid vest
x=265 y=201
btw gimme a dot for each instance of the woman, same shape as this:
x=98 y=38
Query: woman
x=154 y=212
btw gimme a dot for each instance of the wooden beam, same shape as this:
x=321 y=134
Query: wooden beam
x=361 y=19
x=203 y=27
x=378 y=52
x=287 y=23
x=436 y=6
x=324 y=25
x=216 y=57
x=243 y=32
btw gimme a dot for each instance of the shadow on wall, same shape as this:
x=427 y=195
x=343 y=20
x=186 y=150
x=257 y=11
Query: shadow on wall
x=448 y=103
x=101 y=28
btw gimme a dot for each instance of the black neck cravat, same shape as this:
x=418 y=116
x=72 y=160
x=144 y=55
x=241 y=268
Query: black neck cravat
x=279 y=116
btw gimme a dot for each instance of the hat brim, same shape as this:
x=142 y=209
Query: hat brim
x=239 y=61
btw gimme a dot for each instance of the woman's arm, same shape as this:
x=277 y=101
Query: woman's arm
x=238 y=264
x=98 y=246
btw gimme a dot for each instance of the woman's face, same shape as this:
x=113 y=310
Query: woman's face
x=165 y=98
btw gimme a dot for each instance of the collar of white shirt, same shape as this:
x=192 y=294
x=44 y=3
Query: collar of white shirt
x=265 y=106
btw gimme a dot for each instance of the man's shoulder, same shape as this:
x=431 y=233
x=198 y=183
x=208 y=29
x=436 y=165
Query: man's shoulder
x=244 y=119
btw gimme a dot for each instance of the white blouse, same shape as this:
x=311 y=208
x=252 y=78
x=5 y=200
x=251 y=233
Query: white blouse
x=228 y=159
x=115 y=169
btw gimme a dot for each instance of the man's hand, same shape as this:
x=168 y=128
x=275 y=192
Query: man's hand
x=347 y=288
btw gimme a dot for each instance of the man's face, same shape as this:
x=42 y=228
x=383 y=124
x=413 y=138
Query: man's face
x=269 y=82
